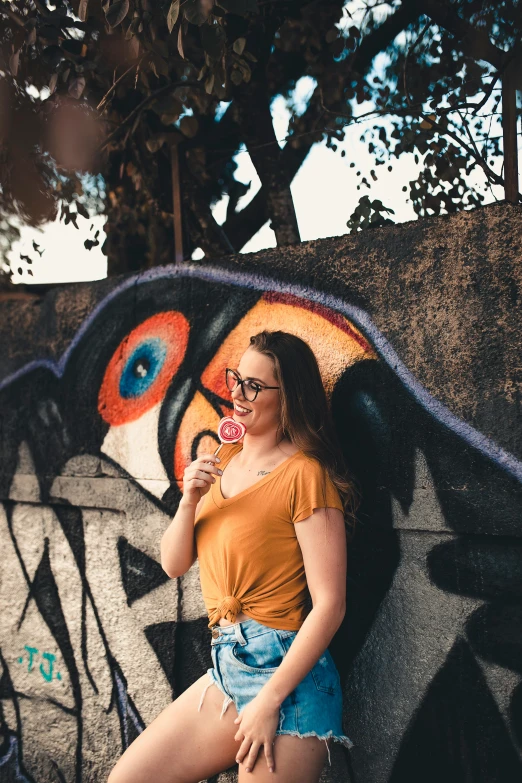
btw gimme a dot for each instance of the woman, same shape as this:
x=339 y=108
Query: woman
x=266 y=520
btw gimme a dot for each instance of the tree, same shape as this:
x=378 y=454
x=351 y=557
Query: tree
x=157 y=97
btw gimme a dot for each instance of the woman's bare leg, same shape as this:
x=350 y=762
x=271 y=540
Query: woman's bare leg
x=296 y=759
x=183 y=745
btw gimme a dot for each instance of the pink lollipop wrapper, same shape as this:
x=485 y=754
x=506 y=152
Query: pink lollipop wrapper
x=229 y=431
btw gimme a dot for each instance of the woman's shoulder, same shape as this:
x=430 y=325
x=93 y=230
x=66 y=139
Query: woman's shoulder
x=310 y=487
x=306 y=463
x=309 y=472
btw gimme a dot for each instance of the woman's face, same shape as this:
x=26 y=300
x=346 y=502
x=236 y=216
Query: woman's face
x=263 y=413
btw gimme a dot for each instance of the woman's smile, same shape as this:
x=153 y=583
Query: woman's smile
x=240 y=410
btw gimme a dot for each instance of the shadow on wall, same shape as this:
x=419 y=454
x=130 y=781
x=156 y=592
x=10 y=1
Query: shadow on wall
x=95 y=639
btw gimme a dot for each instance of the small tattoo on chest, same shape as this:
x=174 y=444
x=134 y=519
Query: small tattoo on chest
x=263 y=472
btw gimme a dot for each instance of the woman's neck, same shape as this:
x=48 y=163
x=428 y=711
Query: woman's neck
x=259 y=448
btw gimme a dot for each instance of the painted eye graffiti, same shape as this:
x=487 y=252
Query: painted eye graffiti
x=142 y=367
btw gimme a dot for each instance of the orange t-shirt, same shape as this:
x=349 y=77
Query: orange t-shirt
x=249 y=557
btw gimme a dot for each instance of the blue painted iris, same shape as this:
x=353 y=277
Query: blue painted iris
x=142 y=368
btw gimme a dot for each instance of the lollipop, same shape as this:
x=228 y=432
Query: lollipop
x=229 y=431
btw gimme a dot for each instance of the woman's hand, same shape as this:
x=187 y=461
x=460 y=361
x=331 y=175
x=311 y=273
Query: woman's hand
x=257 y=727
x=198 y=477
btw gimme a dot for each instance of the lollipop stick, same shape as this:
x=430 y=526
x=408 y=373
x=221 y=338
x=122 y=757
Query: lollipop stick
x=217 y=450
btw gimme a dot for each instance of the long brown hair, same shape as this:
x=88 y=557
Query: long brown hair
x=305 y=411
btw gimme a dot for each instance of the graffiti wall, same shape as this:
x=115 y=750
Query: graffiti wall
x=95 y=639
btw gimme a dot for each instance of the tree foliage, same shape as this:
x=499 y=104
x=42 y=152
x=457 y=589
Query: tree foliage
x=119 y=88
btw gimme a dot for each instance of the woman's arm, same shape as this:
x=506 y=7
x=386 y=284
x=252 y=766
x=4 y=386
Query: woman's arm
x=178 y=547
x=323 y=544
x=322 y=538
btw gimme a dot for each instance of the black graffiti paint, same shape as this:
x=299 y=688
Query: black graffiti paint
x=452 y=725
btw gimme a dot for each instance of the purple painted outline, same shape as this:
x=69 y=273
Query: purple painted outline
x=14 y=750
x=359 y=317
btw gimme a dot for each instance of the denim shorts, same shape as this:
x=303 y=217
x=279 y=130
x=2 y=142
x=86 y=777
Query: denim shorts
x=246 y=654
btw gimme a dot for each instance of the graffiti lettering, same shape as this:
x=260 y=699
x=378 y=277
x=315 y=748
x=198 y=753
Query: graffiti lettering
x=46 y=672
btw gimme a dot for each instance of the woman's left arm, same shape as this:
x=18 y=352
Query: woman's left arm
x=322 y=538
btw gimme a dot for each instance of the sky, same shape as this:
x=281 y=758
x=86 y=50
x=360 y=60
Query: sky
x=324 y=191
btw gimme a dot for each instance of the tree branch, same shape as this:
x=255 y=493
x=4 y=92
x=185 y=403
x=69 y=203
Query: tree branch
x=11 y=14
x=380 y=38
x=253 y=115
x=241 y=226
x=115 y=84
x=473 y=41
x=205 y=232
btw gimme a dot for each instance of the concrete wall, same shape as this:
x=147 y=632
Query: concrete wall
x=110 y=388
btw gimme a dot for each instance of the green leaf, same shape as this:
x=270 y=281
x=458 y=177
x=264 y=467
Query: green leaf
x=172 y=16
x=116 y=13
x=239 y=45
x=134 y=25
x=144 y=79
x=364 y=207
x=14 y=61
x=31 y=37
x=155 y=142
x=159 y=66
x=213 y=40
x=169 y=119
x=195 y=11
x=180 y=42
x=219 y=91
x=245 y=70
x=82 y=10
x=168 y=104
x=209 y=83
x=76 y=87
x=189 y=126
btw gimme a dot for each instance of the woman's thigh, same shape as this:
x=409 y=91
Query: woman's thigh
x=182 y=745
x=296 y=760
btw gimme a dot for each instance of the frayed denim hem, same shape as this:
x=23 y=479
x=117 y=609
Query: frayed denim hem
x=226 y=701
x=325 y=737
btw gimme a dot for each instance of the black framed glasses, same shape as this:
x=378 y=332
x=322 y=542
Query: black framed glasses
x=249 y=388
